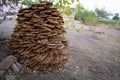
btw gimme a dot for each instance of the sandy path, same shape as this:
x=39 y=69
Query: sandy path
x=93 y=56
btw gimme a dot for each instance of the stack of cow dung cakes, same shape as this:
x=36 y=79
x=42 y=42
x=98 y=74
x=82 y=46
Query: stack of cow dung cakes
x=38 y=39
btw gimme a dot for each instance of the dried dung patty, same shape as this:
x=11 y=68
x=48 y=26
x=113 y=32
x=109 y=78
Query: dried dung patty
x=38 y=39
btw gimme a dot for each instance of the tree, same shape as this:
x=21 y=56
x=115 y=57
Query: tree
x=116 y=16
x=85 y=16
x=101 y=13
x=79 y=10
x=63 y=5
x=89 y=17
x=11 y=4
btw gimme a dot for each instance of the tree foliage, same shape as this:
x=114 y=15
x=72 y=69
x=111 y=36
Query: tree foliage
x=57 y=3
x=79 y=10
x=64 y=6
x=11 y=4
x=89 y=17
x=85 y=16
x=116 y=17
x=8 y=2
x=101 y=13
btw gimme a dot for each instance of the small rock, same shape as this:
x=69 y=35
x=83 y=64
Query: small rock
x=98 y=32
x=10 y=77
x=18 y=64
x=7 y=62
x=117 y=28
x=2 y=72
x=77 y=67
x=64 y=70
x=15 y=68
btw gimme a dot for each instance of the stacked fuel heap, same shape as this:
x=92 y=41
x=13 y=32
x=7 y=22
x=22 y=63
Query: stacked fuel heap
x=38 y=39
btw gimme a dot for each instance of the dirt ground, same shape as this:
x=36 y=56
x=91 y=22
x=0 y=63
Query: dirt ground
x=94 y=54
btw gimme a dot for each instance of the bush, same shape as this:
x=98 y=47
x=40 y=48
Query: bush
x=110 y=22
x=79 y=10
x=89 y=17
x=86 y=17
x=77 y=16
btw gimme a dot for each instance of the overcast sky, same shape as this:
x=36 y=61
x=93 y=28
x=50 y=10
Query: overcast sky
x=110 y=5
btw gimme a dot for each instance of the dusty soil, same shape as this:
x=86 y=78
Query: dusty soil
x=94 y=55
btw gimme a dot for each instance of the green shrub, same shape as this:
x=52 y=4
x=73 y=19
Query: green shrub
x=79 y=10
x=89 y=17
x=110 y=22
x=77 y=16
x=86 y=17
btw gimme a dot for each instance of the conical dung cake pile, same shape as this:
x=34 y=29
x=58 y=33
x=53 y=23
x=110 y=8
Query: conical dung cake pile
x=38 y=39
